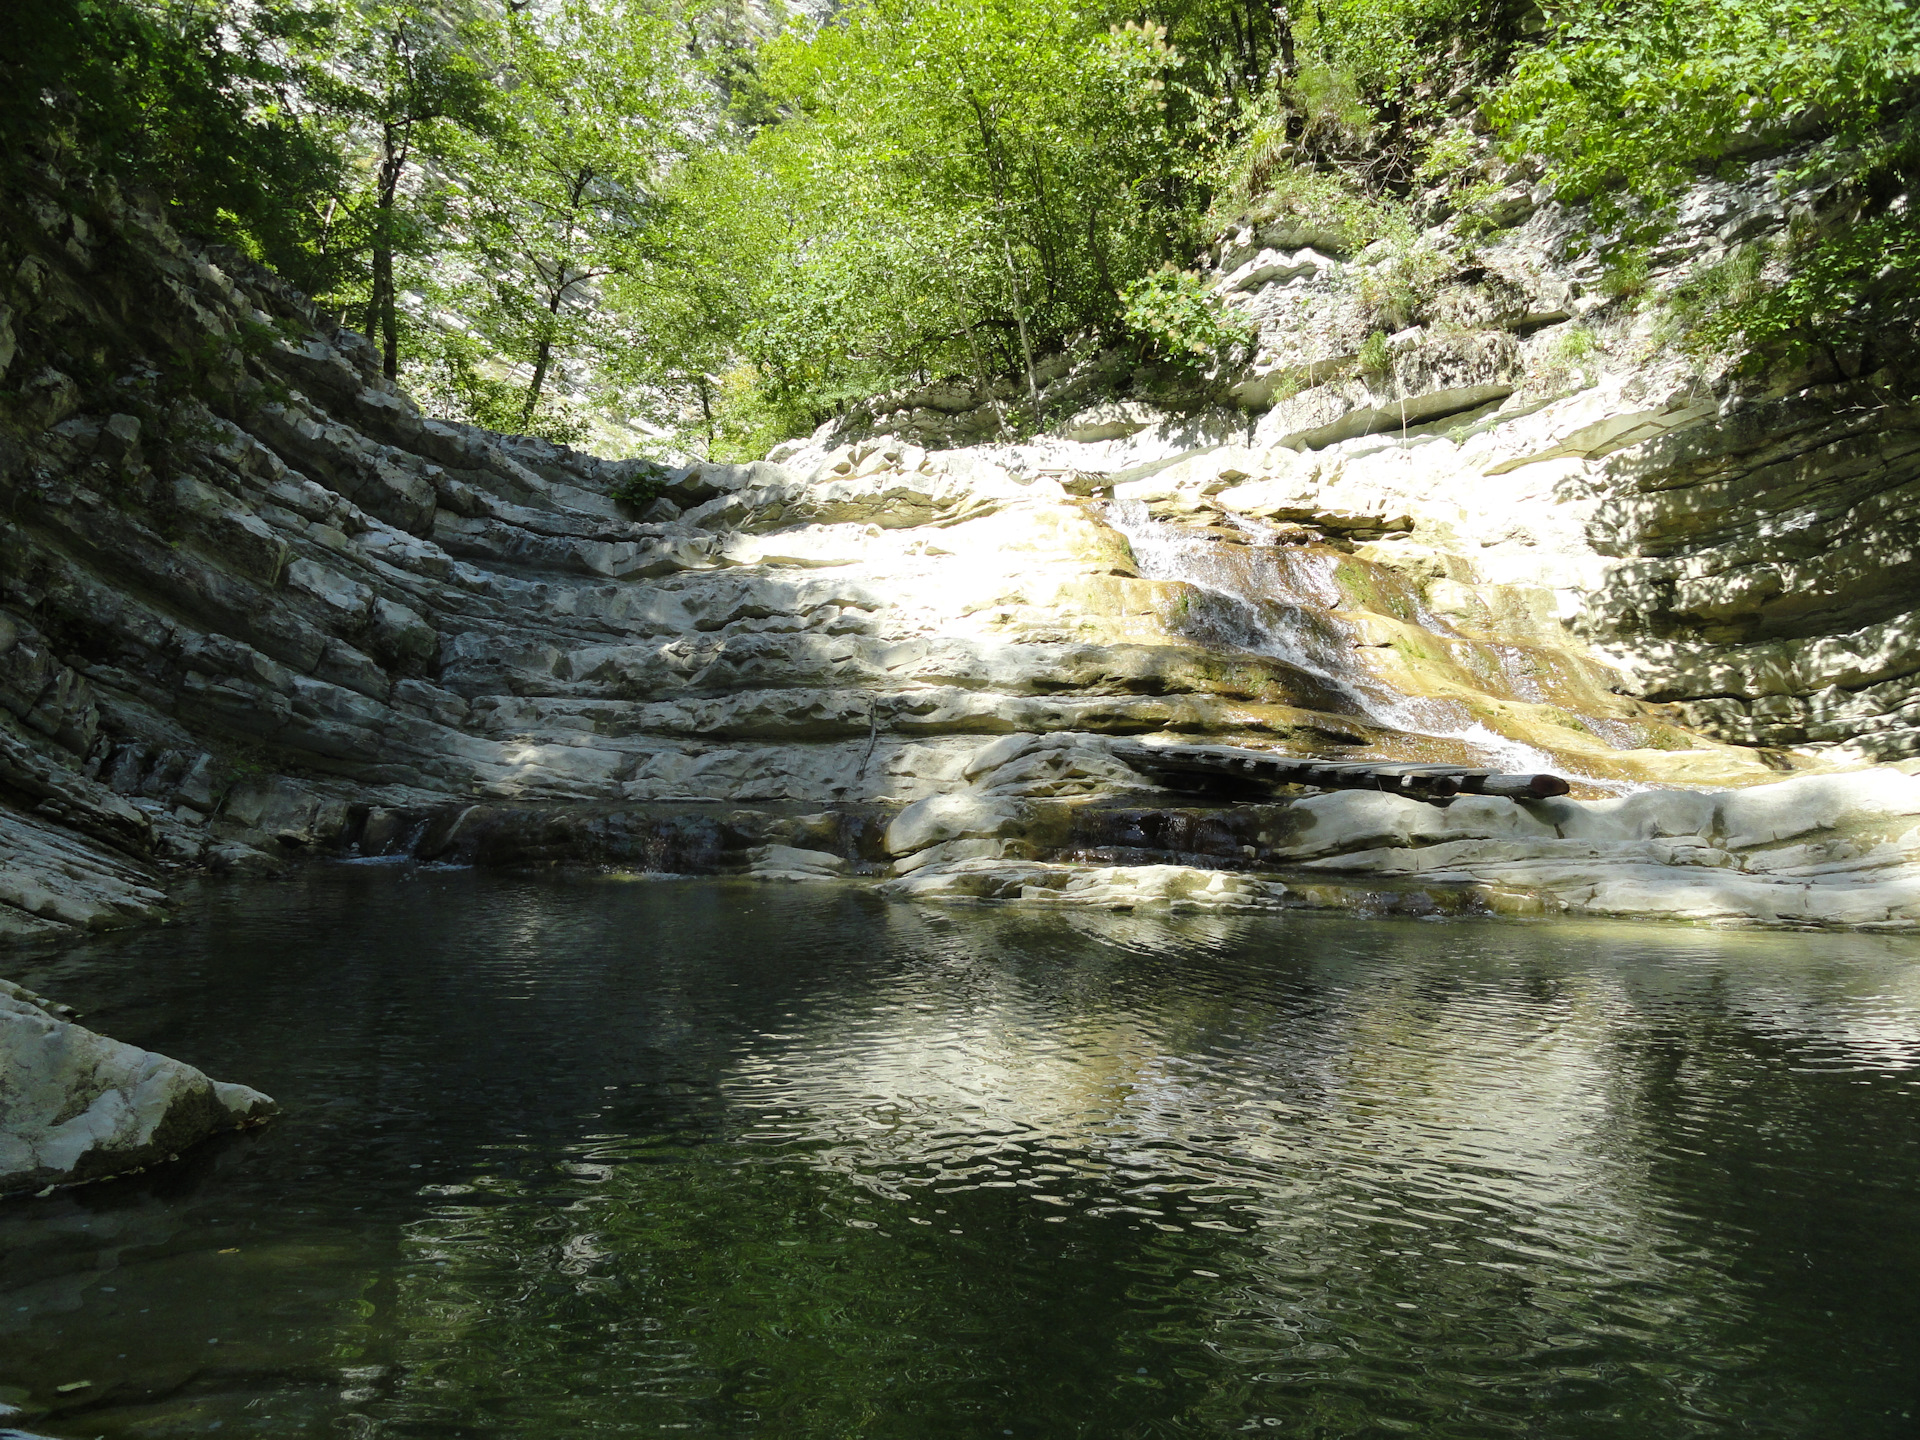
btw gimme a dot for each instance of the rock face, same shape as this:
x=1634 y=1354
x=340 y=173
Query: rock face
x=1738 y=549
x=76 y=1106
x=1816 y=850
x=252 y=604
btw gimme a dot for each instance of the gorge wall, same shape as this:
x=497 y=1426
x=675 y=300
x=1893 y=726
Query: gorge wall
x=1738 y=546
x=252 y=603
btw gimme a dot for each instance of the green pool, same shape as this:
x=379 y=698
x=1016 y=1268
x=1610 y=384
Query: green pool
x=595 y=1157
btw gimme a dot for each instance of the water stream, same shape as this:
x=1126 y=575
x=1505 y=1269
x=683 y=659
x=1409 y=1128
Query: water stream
x=583 y=1157
x=1273 y=601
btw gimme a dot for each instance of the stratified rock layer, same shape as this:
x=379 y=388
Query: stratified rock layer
x=1816 y=850
x=1740 y=549
x=252 y=603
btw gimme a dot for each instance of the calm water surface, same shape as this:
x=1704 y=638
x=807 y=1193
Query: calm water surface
x=601 y=1158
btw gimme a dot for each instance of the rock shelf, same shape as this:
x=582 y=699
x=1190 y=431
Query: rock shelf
x=1225 y=769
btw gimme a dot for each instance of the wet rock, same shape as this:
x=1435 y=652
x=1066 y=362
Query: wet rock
x=953 y=816
x=77 y=1106
x=1828 y=850
x=52 y=882
x=787 y=862
x=245 y=861
x=1128 y=887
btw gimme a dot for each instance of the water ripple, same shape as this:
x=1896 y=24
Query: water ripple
x=569 y=1159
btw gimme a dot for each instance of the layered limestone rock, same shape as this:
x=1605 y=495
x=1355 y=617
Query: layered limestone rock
x=1825 y=850
x=253 y=605
x=76 y=1106
x=1520 y=428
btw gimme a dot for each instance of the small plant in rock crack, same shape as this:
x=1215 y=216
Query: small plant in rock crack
x=1181 y=319
x=645 y=483
x=1568 y=360
x=1374 y=358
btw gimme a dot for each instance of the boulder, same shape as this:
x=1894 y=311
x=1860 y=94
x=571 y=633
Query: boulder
x=77 y=1106
x=790 y=863
x=956 y=816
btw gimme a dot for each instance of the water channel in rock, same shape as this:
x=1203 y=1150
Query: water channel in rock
x=593 y=1156
x=1277 y=601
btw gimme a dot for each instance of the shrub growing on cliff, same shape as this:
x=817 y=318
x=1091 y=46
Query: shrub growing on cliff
x=644 y=482
x=1634 y=99
x=1181 y=319
x=1374 y=357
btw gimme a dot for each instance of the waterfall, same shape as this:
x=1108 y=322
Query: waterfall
x=1275 y=603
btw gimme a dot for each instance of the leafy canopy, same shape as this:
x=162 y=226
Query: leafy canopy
x=956 y=184
x=193 y=103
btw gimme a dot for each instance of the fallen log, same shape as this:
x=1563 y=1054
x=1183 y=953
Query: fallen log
x=1227 y=769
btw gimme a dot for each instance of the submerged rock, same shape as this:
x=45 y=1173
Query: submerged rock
x=77 y=1106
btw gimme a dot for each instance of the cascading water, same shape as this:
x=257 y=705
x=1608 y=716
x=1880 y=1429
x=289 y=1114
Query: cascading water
x=1280 y=613
x=1276 y=621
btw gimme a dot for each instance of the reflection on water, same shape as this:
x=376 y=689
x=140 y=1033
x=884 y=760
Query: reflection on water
x=580 y=1157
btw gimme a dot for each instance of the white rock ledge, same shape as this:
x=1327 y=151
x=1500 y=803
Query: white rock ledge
x=1837 y=850
x=76 y=1106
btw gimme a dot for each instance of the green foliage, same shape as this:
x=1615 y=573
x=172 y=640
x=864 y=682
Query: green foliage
x=1374 y=358
x=1574 y=344
x=398 y=82
x=1625 y=273
x=1363 y=90
x=188 y=102
x=749 y=417
x=523 y=202
x=1568 y=359
x=1365 y=107
x=933 y=188
x=1175 y=313
x=1265 y=175
x=458 y=374
x=646 y=482
x=1403 y=277
x=557 y=195
x=1848 y=293
x=1452 y=150
x=1404 y=54
x=1634 y=99
x=954 y=186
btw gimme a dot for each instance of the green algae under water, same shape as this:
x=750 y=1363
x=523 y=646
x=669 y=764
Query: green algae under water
x=593 y=1158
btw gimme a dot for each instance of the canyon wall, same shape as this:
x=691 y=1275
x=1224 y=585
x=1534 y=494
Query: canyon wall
x=1738 y=546
x=252 y=603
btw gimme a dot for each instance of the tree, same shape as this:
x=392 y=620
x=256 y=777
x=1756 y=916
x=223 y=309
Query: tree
x=185 y=102
x=561 y=193
x=1632 y=100
x=406 y=78
x=952 y=186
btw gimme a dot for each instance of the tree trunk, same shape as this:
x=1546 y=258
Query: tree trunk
x=542 y=359
x=389 y=326
x=996 y=166
x=985 y=382
x=1020 y=320
x=383 y=317
x=1099 y=253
